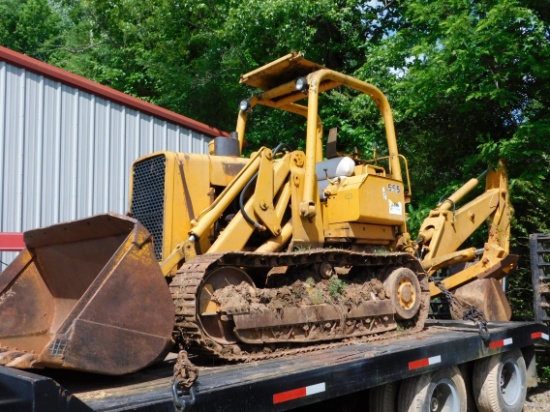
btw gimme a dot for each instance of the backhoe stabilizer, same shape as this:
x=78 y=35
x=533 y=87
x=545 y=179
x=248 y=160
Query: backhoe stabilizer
x=87 y=295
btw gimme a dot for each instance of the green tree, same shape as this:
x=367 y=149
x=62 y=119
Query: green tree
x=32 y=27
x=188 y=55
x=469 y=82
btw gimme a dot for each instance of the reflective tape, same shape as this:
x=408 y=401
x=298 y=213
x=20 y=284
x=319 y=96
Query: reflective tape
x=539 y=335
x=298 y=393
x=422 y=363
x=501 y=343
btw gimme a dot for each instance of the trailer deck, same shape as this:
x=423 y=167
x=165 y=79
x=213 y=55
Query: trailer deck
x=271 y=385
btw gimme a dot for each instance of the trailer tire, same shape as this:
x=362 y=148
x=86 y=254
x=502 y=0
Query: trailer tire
x=500 y=382
x=440 y=390
x=384 y=397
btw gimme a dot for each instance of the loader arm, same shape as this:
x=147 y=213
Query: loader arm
x=446 y=228
x=263 y=211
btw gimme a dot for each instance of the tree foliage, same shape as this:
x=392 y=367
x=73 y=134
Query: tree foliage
x=32 y=27
x=470 y=82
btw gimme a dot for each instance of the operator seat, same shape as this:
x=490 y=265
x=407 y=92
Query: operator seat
x=337 y=167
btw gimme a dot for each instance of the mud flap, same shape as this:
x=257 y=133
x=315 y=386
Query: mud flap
x=87 y=295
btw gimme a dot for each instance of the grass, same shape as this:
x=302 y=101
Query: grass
x=336 y=287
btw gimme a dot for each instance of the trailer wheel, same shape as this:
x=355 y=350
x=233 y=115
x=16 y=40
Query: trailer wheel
x=384 y=397
x=500 y=382
x=442 y=390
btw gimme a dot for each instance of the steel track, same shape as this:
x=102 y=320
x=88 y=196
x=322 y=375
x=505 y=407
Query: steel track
x=186 y=285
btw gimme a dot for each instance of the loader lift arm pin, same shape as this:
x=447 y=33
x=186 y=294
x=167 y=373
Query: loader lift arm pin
x=246 y=216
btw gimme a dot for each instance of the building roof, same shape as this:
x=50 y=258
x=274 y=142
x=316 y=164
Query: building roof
x=106 y=92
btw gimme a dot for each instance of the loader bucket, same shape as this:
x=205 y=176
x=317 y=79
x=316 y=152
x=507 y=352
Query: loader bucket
x=87 y=295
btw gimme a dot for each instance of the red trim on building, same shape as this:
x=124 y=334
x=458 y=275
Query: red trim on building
x=11 y=241
x=81 y=83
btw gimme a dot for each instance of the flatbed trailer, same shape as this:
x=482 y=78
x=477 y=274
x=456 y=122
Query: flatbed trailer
x=287 y=383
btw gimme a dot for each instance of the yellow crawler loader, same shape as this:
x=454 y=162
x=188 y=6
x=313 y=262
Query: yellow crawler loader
x=248 y=258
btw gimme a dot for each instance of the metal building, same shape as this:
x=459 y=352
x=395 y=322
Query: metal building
x=67 y=144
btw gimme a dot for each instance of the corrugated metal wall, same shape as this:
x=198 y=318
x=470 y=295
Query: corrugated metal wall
x=66 y=153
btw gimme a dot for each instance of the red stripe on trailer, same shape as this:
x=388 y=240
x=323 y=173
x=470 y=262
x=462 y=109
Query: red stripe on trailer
x=289 y=395
x=422 y=363
x=298 y=393
x=11 y=241
x=500 y=343
x=540 y=335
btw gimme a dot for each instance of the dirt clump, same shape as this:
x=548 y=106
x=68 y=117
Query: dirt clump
x=305 y=290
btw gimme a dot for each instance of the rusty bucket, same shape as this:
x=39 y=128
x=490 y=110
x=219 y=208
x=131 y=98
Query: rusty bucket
x=87 y=295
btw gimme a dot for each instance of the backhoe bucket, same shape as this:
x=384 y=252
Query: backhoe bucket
x=87 y=295
x=488 y=297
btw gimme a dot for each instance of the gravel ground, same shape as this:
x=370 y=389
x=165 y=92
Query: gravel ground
x=538 y=399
